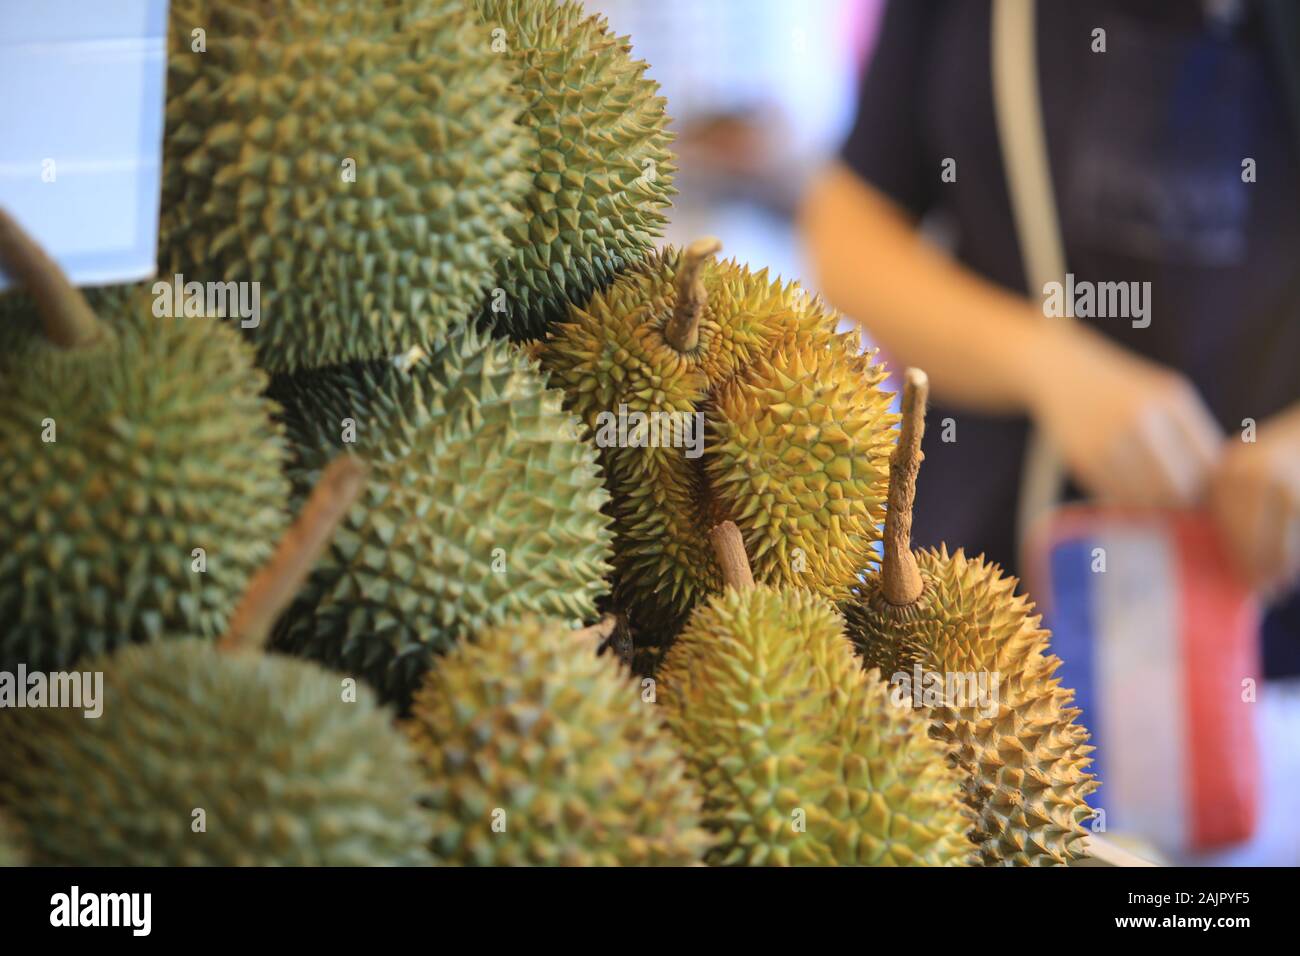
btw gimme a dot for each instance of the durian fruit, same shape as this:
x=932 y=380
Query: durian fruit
x=11 y=848
x=538 y=752
x=217 y=754
x=603 y=170
x=484 y=503
x=795 y=429
x=140 y=465
x=1025 y=759
x=802 y=758
x=362 y=161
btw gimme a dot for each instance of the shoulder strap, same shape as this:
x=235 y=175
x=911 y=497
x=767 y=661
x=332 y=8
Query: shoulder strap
x=1019 y=115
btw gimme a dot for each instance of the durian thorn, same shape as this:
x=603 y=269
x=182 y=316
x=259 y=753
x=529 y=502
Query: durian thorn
x=281 y=578
x=600 y=631
x=900 y=577
x=683 y=330
x=729 y=547
x=66 y=316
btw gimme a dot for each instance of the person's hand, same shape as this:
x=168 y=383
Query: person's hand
x=1130 y=432
x=1255 y=497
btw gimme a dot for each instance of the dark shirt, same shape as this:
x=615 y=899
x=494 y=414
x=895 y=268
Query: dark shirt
x=1146 y=143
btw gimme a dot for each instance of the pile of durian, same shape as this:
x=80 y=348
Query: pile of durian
x=364 y=586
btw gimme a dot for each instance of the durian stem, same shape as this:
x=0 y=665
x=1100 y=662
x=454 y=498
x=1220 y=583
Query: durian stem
x=900 y=578
x=67 y=317
x=683 y=329
x=729 y=547
x=600 y=631
x=280 y=579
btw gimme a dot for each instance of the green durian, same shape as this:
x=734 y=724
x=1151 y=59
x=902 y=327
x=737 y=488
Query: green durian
x=362 y=161
x=12 y=852
x=538 y=752
x=484 y=503
x=602 y=172
x=801 y=757
x=795 y=429
x=142 y=472
x=283 y=768
x=209 y=754
x=1024 y=765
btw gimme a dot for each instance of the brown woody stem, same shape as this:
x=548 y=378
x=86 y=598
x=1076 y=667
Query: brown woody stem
x=729 y=547
x=683 y=330
x=899 y=575
x=279 y=580
x=67 y=317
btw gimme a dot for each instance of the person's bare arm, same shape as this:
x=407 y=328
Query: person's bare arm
x=974 y=339
x=1128 y=430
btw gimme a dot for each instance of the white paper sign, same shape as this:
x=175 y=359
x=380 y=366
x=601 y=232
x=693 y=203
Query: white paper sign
x=81 y=125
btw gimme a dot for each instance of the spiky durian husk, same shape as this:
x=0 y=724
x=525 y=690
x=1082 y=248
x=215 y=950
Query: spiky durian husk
x=775 y=717
x=12 y=852
x=482 y=502
x=797 y=433
x=285 y=768
x=602 y=175
x=538 y=752
x=801 y=459
x=1025 y=766
x=162 y=444
x=259 y=127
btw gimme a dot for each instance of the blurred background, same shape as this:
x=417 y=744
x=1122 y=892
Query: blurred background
x=762 y=93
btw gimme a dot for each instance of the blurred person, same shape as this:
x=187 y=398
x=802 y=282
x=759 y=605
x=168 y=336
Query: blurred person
x=1146 y=144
